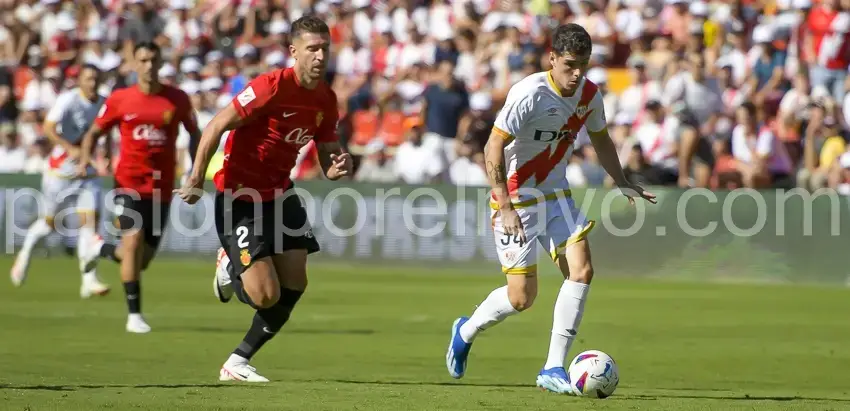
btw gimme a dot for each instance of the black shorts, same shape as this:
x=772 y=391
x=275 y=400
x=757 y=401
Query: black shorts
x=146 y=214
x=249 y=231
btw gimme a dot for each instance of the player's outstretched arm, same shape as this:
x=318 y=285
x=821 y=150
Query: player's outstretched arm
x=610 y=161
x=335 y=163
x=494 y=159
x=86 y=146
x=227 y=119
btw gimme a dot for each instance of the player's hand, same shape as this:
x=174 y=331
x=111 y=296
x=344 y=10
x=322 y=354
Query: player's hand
x=74 y=152
x=512 y=224
x=342 y=166
x=192 y=190
x=82 y=170
x=633 y=190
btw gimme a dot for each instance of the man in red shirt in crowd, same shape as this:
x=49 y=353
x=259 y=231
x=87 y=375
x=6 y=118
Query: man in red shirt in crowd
x=262 y=225
x=148 y=115
x=828 y=47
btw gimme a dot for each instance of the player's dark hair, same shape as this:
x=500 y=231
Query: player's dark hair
x=147 y=45
x=572 y=38
x=92 y=67
x=308 y=24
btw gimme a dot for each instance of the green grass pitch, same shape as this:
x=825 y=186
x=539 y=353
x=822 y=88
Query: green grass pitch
x=373 y=337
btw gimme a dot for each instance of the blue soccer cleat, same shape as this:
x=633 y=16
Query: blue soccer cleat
x=458 y=351
x=555 y=380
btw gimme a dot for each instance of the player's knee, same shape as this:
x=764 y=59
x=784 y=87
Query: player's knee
x=521 y=299
x=582 y=275
x=263 y=297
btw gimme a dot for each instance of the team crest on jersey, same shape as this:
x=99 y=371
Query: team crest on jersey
x=166 y=117
x=245 y=257
x=581 y=111
x=319 y=118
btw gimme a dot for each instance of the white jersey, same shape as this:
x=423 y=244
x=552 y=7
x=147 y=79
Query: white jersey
x=540 y=127
x=73 y=114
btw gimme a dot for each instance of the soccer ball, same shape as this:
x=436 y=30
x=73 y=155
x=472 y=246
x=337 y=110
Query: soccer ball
x=593 y=374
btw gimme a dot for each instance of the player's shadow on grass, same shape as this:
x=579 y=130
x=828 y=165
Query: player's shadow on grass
x=421 y=383
x=75 y=387
x=727 y=398
x=208 y=329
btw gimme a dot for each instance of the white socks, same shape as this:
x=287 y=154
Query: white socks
x=38 y=230
x=569 y=308
x=235 y=359
x=495 y=308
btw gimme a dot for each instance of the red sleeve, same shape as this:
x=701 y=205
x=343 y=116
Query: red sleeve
x=187 y=113
x=327 y=130
x=254 y=98
x=110 y=112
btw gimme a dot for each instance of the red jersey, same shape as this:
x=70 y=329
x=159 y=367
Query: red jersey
x=832 y=47
x=148 y=126
x=278 y=118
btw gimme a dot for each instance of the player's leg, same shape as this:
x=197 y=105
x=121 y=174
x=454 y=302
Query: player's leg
x=569 y=249
x=518 y=261
x=51 y=186
x=87 y=206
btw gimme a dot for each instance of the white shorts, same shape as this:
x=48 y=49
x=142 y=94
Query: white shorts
x=59 y=193
x=554 y=224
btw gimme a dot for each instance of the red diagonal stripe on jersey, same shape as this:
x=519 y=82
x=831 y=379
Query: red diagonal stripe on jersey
x=542 y=164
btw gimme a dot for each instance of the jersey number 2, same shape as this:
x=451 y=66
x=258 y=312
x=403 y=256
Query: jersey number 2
x=242 y=232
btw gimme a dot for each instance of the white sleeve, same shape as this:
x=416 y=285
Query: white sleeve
x=764 y=144
x=674 y=90
x=516 y=112
x=596 y=114
x=58 y=110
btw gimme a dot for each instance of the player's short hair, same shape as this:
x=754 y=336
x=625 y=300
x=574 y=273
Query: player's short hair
x=92 y=67
x=571 y=38
x=308 y=24
x=147 y=45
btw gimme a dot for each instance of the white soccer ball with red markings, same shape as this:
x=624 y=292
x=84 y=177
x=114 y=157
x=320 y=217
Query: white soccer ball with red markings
x=593 y=374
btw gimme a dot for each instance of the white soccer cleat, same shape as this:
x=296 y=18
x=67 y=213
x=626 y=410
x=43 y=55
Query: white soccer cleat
x=240 y=372
x=221 y=283
x=90 y=255
x=92 y=287
x=137 y=325
x=19 y=273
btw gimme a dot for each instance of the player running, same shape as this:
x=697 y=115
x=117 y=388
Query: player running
x=262 y=225
x=527 y=154
x=148 y=115
x=65 y=124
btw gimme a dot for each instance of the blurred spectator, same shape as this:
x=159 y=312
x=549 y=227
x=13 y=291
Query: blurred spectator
x=761 y=159
x=446 y=101
x=417 y=162
x=420 y=82
x=13 y=156
x=377 y=165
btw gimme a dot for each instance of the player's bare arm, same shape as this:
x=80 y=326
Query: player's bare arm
x=227 y=119
x=610 y=161
x=86 y=146
x=335 y=163
x=54 y=137
x=191 y=125
x=494 y=158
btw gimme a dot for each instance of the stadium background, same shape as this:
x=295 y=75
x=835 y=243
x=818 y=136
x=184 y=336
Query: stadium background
x=371 y=331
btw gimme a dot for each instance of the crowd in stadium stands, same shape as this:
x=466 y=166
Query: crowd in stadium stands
x=718 y=93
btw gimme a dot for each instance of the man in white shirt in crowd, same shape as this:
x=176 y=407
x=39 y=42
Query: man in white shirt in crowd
x=419 y=163
x=761 y=158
